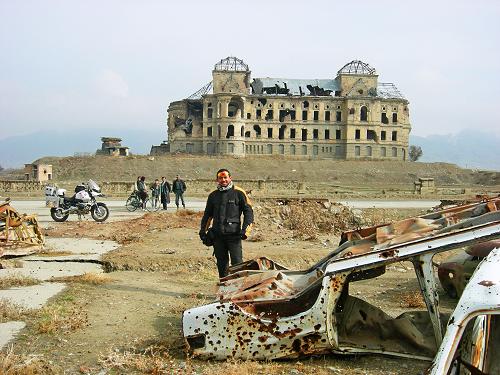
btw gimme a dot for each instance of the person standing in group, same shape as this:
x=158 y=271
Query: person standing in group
x=141 y=189
x=155 y=193
x=136 y=184
x=179 y=187
x=224 y=208
x=165 y=190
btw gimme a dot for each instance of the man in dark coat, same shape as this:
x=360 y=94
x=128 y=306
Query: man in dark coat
x=179 y=187
x=224 y=208
x=165 y=190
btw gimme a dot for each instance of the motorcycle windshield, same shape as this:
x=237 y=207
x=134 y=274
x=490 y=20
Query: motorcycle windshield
x=93 y=186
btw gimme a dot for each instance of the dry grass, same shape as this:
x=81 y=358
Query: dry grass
x=186 y=212
x=10 y=311
x=17 y=280
x=14 y=364
x=86 y=278
x=412 y=300
x=61 y=317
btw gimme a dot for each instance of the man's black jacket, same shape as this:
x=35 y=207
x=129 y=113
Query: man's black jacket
x=224 y=209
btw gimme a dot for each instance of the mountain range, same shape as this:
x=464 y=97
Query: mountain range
x=468 y=148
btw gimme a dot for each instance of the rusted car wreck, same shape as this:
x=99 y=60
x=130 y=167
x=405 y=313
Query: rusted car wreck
x=264 y=311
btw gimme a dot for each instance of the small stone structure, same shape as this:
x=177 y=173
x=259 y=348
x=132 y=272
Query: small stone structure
x=162 y=149
x=38 y=172
x=425 y=185
x=112 y=146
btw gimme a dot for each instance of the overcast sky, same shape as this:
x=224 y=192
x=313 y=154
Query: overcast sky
x=112 y=64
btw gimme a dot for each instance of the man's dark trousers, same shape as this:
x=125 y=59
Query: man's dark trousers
x=225 y=247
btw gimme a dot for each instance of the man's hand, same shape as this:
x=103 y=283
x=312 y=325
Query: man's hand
x=243 y=236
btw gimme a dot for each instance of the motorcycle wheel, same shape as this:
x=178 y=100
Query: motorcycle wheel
x=99 y=212
x=132 y=204
x=57 y=215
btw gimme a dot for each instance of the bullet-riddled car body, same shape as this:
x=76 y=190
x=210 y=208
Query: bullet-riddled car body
x=264 y=311
x=471 y=344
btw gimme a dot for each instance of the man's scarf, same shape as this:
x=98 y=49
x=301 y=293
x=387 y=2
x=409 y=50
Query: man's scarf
x=224 y=188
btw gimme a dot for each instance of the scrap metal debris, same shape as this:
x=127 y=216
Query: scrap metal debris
x=19 y=234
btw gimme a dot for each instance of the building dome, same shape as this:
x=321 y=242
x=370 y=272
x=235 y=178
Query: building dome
x=357 y=67
x=232 y=64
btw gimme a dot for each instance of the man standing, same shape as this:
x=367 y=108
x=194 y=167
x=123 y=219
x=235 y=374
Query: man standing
x=179 y=187
x=165 y=190
x=141 y=189
x=224 y=208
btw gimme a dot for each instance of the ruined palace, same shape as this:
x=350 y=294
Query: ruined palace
x=350 y=116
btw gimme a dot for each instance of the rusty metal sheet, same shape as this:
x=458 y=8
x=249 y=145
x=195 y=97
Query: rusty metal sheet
x=19 y=234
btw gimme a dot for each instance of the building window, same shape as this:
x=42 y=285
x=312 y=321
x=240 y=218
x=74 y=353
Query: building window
x=327 y=134
x=338 y=134
x=257 y=130
x=242 y=131
x=384 y=118
x=363 y=114
x=304 y=115
x=394 y=135
x=281 y=149
x=292 y=149
x=371 y=135
x=249 y=116
x=305 y=104
x=219 y=131
x=316 y=115
x=210 y=112
x=368 y=150
x=382 y=135
x=338 y=116
x=230 y=148
x=230 y=131
x=327 y=115
x=189 y=148
x=357 y=150
x=337 y=151
x=258 y=113
x=315 y=134
x=209 y=131
x=394 y=118
x=304 y=150
x=357 y=134
x=383 y=152
x=304 y=134
x=394 y=152
x=315 y=150
x=247 y=134
x=292 y=133
x=281 y=134
x=269 y=149
x=269 y=132
x=270 y=114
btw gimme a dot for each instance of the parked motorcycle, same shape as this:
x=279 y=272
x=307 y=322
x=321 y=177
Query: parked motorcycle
x=82 y=203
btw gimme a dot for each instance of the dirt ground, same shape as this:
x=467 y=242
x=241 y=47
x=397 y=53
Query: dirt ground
x=132 y=322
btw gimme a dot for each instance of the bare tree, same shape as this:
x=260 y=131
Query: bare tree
x=415 y=153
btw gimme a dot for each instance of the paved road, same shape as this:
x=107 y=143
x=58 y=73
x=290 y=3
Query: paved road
x=117 y=210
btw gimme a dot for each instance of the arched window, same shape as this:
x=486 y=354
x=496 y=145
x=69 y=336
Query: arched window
x=368 y=150
x=292 y=149
x=281 y=149
x=304 y=150
x=270 y=149
x=230 y=131
x=363 y=115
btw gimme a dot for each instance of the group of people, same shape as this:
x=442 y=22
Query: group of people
x=160 y=190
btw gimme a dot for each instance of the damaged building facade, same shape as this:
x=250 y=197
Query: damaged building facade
x=352 y=116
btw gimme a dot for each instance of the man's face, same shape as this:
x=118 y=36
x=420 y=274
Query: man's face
x=223 y=178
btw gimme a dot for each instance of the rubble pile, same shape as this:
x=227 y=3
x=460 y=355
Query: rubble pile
x=307 y=219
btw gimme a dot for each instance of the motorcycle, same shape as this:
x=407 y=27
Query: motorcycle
x=82 y=203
